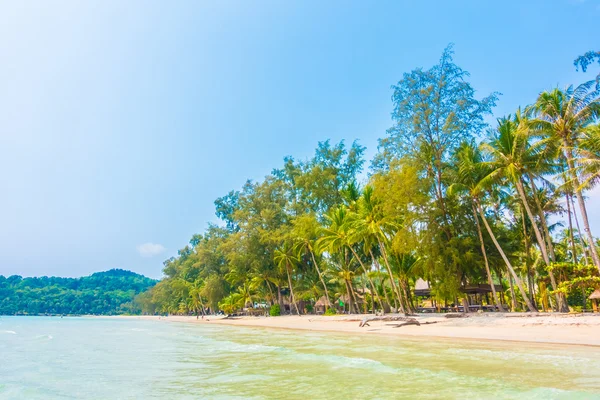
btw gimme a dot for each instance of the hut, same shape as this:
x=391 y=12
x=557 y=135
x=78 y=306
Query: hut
x=321 y=305
x=594 y=297
x=474 y=294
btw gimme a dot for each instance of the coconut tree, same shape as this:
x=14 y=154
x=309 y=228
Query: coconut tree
x=372 y=227
x=195 y=290
x=305 y=232
x=564 y=115
x=469 y=170
x=589 y=157
x=334 y=240
x=285 y=257
x=514 y=156
x=511 y=270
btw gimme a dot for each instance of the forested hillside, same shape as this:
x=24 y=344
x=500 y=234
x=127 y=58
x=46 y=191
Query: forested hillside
x=108 y=293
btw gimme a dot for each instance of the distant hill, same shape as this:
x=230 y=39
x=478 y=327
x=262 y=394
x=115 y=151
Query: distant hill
x=107 y=293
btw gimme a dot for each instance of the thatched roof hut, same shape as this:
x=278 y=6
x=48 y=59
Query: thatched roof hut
x=322 y=302
x=595 y=295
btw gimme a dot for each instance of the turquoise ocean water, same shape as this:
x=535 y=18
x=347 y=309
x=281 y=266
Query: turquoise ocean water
x=99 y=358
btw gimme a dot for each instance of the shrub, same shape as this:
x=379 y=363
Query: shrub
x=330 y=311
x=275 y=310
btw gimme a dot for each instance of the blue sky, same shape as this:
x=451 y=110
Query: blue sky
x=121 y=122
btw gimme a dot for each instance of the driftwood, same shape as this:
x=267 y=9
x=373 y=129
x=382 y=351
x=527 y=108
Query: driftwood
x=365 y=321
x=413 y=322
x=405 y=321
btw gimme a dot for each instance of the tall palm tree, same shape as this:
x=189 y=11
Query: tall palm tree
x=470 y=170
x=195 y=290
x=305 y=233
x=285 y=258
x=513 y=157
x=371 y=227
x=334 y=239
x=589 y=157
x=511 y=270
x=564 y=115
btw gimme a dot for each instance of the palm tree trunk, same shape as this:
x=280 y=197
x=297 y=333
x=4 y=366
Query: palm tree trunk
x=289 y=276
x=542 y=216
x=583 y=245
x=387 y=300
x=280 y=298
x=582 y=208
x=368 y=277
x=530 y=306
x=571 y=237
x=485 y=259
x=270 y=291
x=354 y=297
x=512 y=293
x=559 y=300
x=405 y=294
x=350 y=299
x=527 y=254
x=387 y=264
x=320 y=277
x=560 y=297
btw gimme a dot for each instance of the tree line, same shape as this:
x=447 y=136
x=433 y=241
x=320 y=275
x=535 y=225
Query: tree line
x=103 y=293
x=449 y=198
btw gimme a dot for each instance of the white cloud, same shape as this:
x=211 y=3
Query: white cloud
x=150 y=249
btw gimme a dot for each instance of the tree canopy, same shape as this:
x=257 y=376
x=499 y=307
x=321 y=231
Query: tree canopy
x=449 y=199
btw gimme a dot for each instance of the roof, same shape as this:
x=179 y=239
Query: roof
x=322 y=302
x=595 y=295
x=420 y=284
x=422 y=288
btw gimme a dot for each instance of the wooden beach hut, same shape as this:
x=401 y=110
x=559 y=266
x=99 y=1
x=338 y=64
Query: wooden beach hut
x=595 y=297
x=321 y=305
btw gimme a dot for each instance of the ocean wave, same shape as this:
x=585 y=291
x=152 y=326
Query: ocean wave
x=49 y=337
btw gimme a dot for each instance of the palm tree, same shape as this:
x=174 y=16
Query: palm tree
x=285 y=258
x=305 y=232
x=589 y=157
x=564 y=115
x=470 y=170
x=334 y=239
x=513 y=157
x=371 y=227
x=516 y=278
x=195 y=290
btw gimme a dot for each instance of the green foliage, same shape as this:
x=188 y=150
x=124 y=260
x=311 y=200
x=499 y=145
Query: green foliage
x=330 y=311
x=275 y=310
x=103 y=293
x=445 y=203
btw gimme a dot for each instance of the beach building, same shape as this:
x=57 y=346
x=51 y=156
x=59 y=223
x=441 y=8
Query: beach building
x=595 y=297
x=474 y=295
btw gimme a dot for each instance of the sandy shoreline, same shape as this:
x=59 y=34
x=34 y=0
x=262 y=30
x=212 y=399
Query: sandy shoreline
x=573 y=329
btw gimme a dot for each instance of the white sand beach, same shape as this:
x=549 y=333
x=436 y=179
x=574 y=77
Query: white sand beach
x=577 y=329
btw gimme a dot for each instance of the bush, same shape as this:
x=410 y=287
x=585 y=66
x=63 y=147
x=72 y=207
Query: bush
x=275 y=310
x=330 y=311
